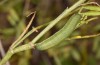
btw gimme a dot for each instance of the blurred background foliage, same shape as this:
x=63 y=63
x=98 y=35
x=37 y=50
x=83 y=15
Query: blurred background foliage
x=13 y=21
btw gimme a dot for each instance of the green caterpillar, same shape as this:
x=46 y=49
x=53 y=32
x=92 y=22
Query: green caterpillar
x=62 y=34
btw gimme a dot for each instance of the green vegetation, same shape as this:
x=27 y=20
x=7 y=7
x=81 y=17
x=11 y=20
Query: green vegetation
x=75 y=43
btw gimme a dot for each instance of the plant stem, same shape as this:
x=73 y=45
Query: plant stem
x=29 y=33
x=83 y=37
x=6 y=58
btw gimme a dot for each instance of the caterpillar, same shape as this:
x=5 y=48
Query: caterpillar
x=62 y=34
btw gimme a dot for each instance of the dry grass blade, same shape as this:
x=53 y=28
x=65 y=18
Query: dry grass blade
x=24 y=32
